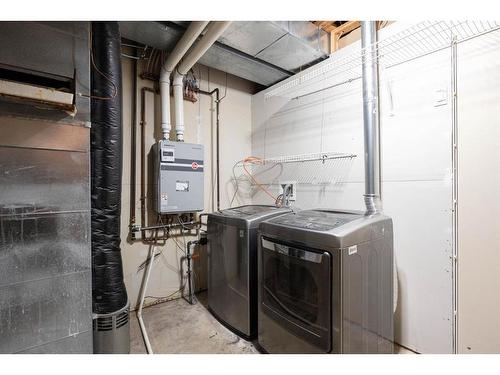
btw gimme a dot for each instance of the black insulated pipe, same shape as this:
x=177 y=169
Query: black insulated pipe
x=108 y=288
x=189 y=257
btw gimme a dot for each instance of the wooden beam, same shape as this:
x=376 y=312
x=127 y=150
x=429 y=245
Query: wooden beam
x=349 y=31
x=346 y=27
x=329 y=28
x=334 y=42
x=382 y=24
x=339 y=31
x=325 y=25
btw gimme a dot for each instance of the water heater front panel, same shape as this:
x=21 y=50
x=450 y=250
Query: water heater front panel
x=179 y=173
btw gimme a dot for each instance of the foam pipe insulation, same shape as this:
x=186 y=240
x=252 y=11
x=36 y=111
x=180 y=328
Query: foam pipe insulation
x=108 y=288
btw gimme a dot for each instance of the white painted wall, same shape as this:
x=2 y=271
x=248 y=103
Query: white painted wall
x=235 y=143
x=416 y=174
x=479 y=195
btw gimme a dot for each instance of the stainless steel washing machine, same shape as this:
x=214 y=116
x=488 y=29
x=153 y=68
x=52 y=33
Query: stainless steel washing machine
x=326 y=283
x=232 y=265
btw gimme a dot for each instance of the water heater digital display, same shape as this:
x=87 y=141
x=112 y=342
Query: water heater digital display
x=168 y=154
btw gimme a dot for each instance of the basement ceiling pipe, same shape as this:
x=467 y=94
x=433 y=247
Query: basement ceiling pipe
x=371 y=117
x=214 y=31
x=188 y=38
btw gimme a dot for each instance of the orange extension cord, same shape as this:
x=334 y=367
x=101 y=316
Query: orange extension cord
x=259 y=161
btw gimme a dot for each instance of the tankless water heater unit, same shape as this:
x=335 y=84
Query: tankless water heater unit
x=179 y=177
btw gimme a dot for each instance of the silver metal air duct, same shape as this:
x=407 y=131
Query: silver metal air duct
x=371 y=117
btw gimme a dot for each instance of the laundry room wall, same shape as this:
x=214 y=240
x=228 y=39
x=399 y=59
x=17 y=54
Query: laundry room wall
x=478 y=187
x=417 y=179
x=235 y=143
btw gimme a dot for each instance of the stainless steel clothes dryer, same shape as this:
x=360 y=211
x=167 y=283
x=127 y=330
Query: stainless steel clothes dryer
x=326 y=283
x=232 y=265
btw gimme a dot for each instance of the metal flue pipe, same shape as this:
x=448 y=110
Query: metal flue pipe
x=214 y=31
x=371 y=117
x=192 y=33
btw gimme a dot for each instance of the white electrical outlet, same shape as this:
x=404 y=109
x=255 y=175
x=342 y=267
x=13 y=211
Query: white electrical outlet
x=293 y=193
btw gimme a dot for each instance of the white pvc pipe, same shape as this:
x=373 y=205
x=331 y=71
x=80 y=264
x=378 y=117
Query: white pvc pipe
x=214 y=31
x=179 y=105
x=188 y=38
x=149 y=265
x=165 y=104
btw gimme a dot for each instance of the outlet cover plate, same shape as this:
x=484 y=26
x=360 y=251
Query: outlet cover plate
x=293 y=195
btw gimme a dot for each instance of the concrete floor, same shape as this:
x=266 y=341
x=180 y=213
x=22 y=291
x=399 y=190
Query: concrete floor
x=177 y=327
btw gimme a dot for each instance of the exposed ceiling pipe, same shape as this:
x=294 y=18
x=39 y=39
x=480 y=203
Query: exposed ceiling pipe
x=214 y=31
x=178 y=88
x=371 y=117
x=188 y=38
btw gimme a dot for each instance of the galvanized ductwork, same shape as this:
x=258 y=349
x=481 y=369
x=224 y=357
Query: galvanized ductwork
x=264 y=52
x=371 y=117
x=45 y=265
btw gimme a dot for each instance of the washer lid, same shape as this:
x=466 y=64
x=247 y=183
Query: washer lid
x=247 y=216
x=250 y=210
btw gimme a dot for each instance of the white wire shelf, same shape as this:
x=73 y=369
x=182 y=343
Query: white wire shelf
x=413 y=42
x=324 y=168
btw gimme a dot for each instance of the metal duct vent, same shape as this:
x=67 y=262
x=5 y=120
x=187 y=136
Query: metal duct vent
x=36 y=88
x=112 y=332
x=43 y=68
x=111 y=322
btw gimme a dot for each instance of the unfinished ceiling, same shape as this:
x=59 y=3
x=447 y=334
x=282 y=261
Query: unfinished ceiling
x=264 y=52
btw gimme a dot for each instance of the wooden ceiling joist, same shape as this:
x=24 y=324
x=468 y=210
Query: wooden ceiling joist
x=328 y=26
x=346 y=27
x=338 y=29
